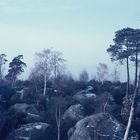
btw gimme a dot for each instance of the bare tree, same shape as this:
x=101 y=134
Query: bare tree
x=58 y=118
x=3 y=60
x=56 y=109
x=57 y=62
x=58 y=68
x=44 y=65
x=48 y=63
x=102 y=72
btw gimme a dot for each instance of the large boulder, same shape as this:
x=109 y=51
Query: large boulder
x=23 y=107
x=99 y=126
x=86 y=98
x=72 y=115
x=18 y=115
x=30 y=111
x=31 y=131
x=9 y=121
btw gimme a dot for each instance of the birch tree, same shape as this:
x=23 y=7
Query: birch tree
x=3 y=60
x=102 y=72
x=60 y=107
x=57 y=62
x=44 y=64
x=48 y=63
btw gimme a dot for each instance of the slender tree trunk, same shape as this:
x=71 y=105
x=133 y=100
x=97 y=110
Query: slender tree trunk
x=45 y=82
x=134 y=98
x=58 y=121
x=128 y=78
x=129 y=123
x=136 y=66
x=59 y=124
x=106 y=103
x=55 y=75
x=55 y=71
x=131 y=113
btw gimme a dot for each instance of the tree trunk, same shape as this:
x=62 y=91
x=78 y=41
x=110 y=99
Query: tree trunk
x=134 y=98
x=128 y=78
x=58 y=121
x=58 y=138
x=131 y=113
x=106 y=103
x=129 y=123
x=55 y=71
x=45 y=82
x=136 y=66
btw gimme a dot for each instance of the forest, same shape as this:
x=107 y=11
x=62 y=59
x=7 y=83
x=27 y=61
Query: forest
x=53 y=105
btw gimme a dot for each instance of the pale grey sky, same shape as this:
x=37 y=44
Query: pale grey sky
x=81 y=29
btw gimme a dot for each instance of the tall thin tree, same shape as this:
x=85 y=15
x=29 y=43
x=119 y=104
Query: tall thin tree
x=3 y=60
x=121 y=50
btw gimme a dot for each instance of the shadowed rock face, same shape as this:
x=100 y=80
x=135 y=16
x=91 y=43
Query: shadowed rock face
x=103 y=102
x=75 y=113
x=22 y=107
x=99 y=126
x=31 y=131
x=72 y=115
x=84 y=96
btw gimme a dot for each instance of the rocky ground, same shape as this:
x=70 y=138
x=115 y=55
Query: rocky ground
x=90 y=116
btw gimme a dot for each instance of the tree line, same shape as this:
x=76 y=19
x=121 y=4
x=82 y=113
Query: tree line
x=49 y=65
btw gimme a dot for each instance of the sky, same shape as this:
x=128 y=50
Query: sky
x=81 y=29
